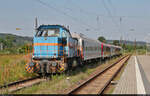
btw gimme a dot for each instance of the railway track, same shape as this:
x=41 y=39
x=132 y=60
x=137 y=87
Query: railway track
x=15 y=86
x=98 y=83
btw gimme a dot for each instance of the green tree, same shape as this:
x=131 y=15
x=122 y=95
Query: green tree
x=9 y=41
x=116 y=42
x=26 y=48
x=102 y=39
x=3 y=41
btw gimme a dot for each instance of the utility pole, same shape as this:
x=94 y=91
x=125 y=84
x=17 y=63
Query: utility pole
x=99 y=25
x=135 y=46
x=120 y=40
x=36 y=23
x=147 y=44
x=97 y=19
x=146 y=48
x=120 y=31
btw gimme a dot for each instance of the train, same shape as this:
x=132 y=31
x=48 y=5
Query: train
x=56 y=49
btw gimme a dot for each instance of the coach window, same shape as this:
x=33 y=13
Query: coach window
x=95 y=48
x=39 y=33
x=90 y=48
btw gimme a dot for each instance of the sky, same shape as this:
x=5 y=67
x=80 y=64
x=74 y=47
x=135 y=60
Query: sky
x=113 y=19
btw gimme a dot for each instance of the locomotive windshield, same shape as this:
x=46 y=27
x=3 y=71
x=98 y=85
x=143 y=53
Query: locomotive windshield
x=53 y=32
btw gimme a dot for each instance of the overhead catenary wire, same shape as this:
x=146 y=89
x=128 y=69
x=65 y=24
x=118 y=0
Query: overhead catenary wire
x=109 y=12
x=102 y=15
x=97 y=15
x=65 y=14
x=85 y=11
x=75 y=19
x=110 y=15
x=113 y=8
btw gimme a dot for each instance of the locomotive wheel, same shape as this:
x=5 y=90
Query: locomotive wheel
x=40 y=74
x=80 y=62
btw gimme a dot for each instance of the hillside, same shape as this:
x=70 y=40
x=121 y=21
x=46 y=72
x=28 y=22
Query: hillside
x=17 y=40
x=139 y=43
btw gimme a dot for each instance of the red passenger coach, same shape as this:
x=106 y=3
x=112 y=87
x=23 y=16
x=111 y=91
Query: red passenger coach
x=102 y=49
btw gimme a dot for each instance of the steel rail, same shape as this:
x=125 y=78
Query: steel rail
x=101 y=91
x=14 y=86
x=99 y=74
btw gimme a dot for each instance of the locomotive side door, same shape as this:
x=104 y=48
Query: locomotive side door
x=71 y=44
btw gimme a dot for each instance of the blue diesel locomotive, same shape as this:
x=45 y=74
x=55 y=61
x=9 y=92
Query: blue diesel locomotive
x=55 y=50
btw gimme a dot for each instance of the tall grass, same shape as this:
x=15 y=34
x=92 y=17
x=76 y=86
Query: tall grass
x=12 y=68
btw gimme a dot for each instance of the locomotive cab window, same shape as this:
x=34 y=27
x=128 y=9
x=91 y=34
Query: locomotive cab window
x=53 y=32
x=64 y=34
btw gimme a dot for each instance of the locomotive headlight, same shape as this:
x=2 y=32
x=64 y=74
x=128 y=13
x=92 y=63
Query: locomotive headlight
x=54 y=64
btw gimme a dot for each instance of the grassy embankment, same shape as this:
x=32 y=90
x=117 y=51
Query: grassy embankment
x=12 y=68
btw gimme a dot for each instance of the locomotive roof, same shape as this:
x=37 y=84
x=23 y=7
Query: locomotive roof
x=57 y=26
